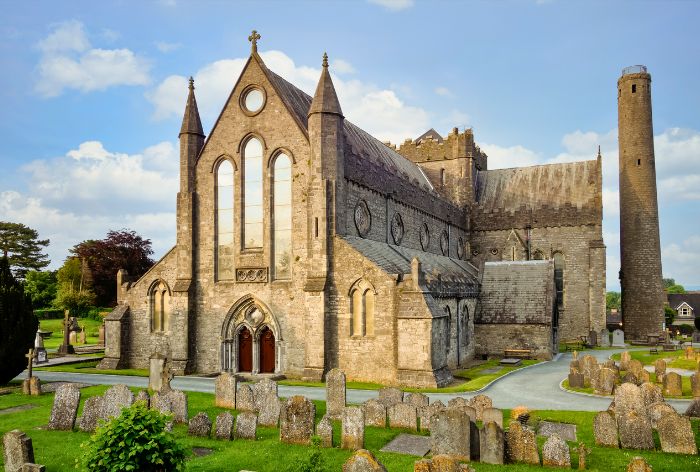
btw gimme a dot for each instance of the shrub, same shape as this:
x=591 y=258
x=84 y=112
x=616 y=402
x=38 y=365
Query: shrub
x=49 y=313
x=313 y=462
x=136 y=440
x=18 y=324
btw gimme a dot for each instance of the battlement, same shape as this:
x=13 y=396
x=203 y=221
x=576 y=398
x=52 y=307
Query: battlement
x=430 y=148
x=638 y=69
x=538 y=217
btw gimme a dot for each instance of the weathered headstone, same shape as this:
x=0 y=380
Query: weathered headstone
x=659 y=410
x=200 y=425
x=592 y=338
x=555 y=453
x=695 y=384
x=635 y=431
x=324 y=430
x=676 y=434
x=625 y=359
x=426 y=412
x=375 y=413
x=245 y=401
x=101 y=335
x=583 y=452
x=605 y=429
x=576 y=379
x=403 y=415
x=521 y=445
x=269 y=413
x=660 y=370
x=441 y=463
x=17 y=450
x=605 y=384
x=458 y=403
x=651 y=393
x=246 y=425
x=693 y=409
x=618 y=338
x=418 y=400
x=565 y=431
x=604 y=338
x=261 y=389
x=224 y=426
x=636 y=367
x=73 y=338
x=225 y=391
x=297 y=420
x=115 y=399
x=480 y=403
x=390 y=396
x=353 y=428
x=65 y=407
x=178 y=400
x=82 y=337
x=491 y=442
x=629 y=377
x=493 y=414
x=449 y=432
x=363 y=461
x=162 y=403
x=335 y=393
x=92 y=409
x=638 y=464
x=144 y=397
x=673 y=386
x=29 y=467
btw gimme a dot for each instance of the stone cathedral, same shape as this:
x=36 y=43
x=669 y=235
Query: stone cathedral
x=304 y=244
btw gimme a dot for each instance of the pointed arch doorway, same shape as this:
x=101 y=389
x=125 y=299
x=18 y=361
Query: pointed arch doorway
x=245 y=350
x=267 y=351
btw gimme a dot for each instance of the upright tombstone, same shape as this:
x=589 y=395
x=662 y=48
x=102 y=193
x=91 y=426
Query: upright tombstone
x=17 y=450
x=695 y=384
x=244 y=399
x=418 y=400
x=555 y=453
x=224 y=426
x=143 y=396
x=425 y=414
x=658 y=411
x=493 y=414
x=269 y=413
x=676 y=434
x=651 y=393
x=403 y=415
x=335 y=393
x=576 y=378
x=101 y=335
x=353 y=428
x=592 y=338
x=363 y=461
x=480 y=403
x=40 y=354
x=449 y=434
x=638 y=464
x=660 y=370
x=673 y=385
x=246 y=425
x=521 y=445
x=199 y=425
x=324 y=430
x=605 y=383
x=633 y=423
x=375 y=413
x=297 y=420
x=115 y=399
x=491 y=443
x=618 y=338
x=262 y=389
x=92 y=410
x=162 y=403
x=390 y=396
x=225 y=391
x=693 y=410
x=65 y=407
x=604 y=338
x=178 y=400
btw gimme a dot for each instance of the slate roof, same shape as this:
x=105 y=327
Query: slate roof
x=361 y=142
x=691 y=298
x=455 y=275
x=516 y=292
x=553 y=185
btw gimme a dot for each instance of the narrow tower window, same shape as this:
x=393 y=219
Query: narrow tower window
x=224 y=221
x=559 y=277
x=253 y=197
x=282 y=220
x=639 y=162
x=442 y=176
x=634 y=88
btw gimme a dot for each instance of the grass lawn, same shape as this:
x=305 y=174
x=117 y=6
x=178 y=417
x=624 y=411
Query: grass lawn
x=58 y=450
x=56 y=326
x=674 y=359
x=90 y=367
x=685 y=381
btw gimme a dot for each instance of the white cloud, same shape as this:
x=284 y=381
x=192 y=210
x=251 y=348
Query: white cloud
x=394 y=5
x=681 y=260
x=166 y=47
x=340 y=66
x=513 y=156
x=110 y=35
x=443 y=92
x=69 y=62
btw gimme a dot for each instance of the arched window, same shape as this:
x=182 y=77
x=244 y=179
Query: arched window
x=160 y=306
x=224 y=221
x=559 y=267
x=362 y=301
x=282 y=217
x=537 y=255
x=253 y=196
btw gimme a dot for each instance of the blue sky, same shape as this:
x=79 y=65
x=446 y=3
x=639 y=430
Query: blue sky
x=93 y=94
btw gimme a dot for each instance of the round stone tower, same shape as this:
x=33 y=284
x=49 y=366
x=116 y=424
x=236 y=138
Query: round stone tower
x=640 y=252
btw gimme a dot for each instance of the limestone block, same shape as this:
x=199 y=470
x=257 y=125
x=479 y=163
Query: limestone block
x=353 y=428
x=225 y=391
x=449 y=434
x=335 y=393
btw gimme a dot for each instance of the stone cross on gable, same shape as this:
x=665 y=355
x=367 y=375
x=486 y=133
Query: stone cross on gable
x=30 y=361
x=253 y=38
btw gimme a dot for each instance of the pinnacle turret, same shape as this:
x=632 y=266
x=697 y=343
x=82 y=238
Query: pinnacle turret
x=325 y=99
x=191 y=124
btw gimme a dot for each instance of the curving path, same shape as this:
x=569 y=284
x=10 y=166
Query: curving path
x=536 y=387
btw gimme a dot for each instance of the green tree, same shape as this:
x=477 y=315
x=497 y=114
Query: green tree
x=18 y=324
x=22 y=246
x=669 y=315
x=671 y=286
x=613 y=300
x=74 y=292
x=41 y=286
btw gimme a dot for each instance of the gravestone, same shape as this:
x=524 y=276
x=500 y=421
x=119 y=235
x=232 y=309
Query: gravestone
x=335 y=393
x=592 y=338
x=418 y=400
x=605 y=385
x=693 y=409
x=244 y=398
x=403 y=415
x=604 y=338
x=178 y=399
x=224 y=426
x=631 y=378
x=426 y=413
x=565 y=431
x=493 y=414
x=269 y=413
x=449 y=434
x=576 y=379
x=114 y=399
x=225 y=391
x=144 y=397
x=480 y=403
x=101 y=335
x=390 y=395
x=409 y=444
x=261 y=389
x=441 y=463
x=555 y=453
x=166 y=376
x=352 y=428
x=659 y=410
x=695 y=384
x=324 y=430
x=638 y=464
x=200 y=425
x=297 y=420
x=40 y=354
x=676 y=434
x=673 y=386
x=635 y=431
x=29 y=467
x=92 y=409
x=65 y=407
x=458 y=403
x=605 y=429
x=73 y=338
x=17 y=450
x=162 y=403
x=651 y=393
x=618 y=338
x=660 y=370
x=363 y=461
x=491 y=442
x=375 y=413
x=82 y=337
x=521 y=445
x=636 y=367
x=246 y=425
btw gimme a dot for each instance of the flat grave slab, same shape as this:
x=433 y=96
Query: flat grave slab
x=52 y=386
x=409 y=444
x=511 y=361
x=15 y=409
x=564 y=430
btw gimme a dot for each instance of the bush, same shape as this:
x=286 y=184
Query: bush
x=136 y=440
x=18 y=324
x=313 y=462
x=49 y=313
x=97 y=313
x=79 y=303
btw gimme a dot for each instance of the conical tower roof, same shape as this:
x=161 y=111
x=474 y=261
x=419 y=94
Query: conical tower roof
x=325 y=99
x=191 y=124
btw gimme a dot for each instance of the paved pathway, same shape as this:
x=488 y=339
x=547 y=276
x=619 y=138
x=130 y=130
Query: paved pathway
x=536 y=387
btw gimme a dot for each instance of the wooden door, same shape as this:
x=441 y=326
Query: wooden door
x=245 y=351
x=267 y=351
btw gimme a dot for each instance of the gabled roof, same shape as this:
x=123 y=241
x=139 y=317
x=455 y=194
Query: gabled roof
x=553 y=185
x=675 y=300
x=432 y=134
